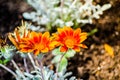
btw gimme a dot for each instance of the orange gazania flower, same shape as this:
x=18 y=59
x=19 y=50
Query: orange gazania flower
x=70 y=39
x=33 y=42
x=19 y=33
x=16 y=37
x=37 y=42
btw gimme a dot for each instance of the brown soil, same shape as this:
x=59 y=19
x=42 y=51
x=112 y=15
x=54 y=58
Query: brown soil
x=90 y=64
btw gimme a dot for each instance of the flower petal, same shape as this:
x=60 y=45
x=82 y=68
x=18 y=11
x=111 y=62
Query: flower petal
x=77 y=49
x=83 y=46
x=83 y=36
x=59 y=30
x=17 y=34
x=77 y=32
x=34 y=36
x=36 y=52
x=45 y=50
x=68 y=31
x=45 y=38
x=13 y=40
x=46 y=34
x=53 y=44
x=26 y=49
x=63 y=48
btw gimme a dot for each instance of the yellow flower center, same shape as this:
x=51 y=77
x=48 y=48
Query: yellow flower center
x=41 y=46
x=69 y=43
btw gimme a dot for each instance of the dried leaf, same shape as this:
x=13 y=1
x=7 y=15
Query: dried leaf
x=109 y=50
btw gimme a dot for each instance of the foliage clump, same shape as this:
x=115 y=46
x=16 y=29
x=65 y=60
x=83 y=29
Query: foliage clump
x=59 y=13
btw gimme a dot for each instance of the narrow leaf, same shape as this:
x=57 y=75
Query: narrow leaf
x=63 y=64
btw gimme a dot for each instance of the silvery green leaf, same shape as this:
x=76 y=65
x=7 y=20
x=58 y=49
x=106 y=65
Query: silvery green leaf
x=56 y=59
x=7 y=51
x=36 y=78
x=57 y=52
x=63 y=64
x=70 y=23
x=36 y=19
x=40 y=56
x=44 y=20
x=106 y=6
x=36 y=72
x=51 y=12
x=28 y=75
x=27 y=15
x=34 y=28
x=48 y=74
x=19 y=74
x=63 y=75
x=73 y=78
x=68 y=74
x=70 y=53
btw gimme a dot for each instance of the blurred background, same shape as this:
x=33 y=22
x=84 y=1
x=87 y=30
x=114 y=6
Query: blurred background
x=94 y=63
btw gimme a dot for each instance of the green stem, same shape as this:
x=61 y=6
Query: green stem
x=15 y=65
x=41 y=66
x=25 y=64
x=10 y=71
x=31 y=59
x=57 y=68
x=33 y=63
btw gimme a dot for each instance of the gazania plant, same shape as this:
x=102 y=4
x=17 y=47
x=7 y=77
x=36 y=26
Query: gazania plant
x=63 y=44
